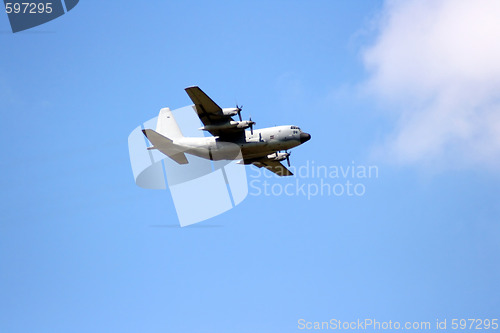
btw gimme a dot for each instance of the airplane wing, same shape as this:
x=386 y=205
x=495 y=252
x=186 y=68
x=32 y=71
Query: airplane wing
x=211 y=114
x=273 y=166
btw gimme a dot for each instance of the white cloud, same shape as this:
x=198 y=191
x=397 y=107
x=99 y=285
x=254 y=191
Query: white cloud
x=436 y=63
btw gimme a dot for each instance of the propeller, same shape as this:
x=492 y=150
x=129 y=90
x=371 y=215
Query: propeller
x=287 y=156
x=251 y=124
x=238 y=108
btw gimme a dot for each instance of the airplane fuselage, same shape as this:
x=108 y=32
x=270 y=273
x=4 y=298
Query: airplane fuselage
x=261 y=142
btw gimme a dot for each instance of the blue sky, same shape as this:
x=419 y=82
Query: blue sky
x=83 y=249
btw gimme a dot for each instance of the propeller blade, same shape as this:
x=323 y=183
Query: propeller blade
x=251 y=125
x=239 y=108
x=287 y=158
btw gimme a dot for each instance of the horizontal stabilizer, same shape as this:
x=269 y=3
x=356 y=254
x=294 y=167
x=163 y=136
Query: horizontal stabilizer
x=165 y=145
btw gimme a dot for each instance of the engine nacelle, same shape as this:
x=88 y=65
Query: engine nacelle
x=230 y=111
x=278 y=156
x=244 y=123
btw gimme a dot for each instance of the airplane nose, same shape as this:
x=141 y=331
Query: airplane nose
x=304 y=137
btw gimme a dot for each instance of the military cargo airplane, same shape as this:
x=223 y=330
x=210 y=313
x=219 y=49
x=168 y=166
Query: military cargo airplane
x=260 y=147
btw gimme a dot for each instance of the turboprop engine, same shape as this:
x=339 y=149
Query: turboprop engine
x=230 y=124
x=233 y=111
x=280 y=157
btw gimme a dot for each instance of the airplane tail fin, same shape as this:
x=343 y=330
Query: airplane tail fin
x=165 y=145
x=167 y=126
